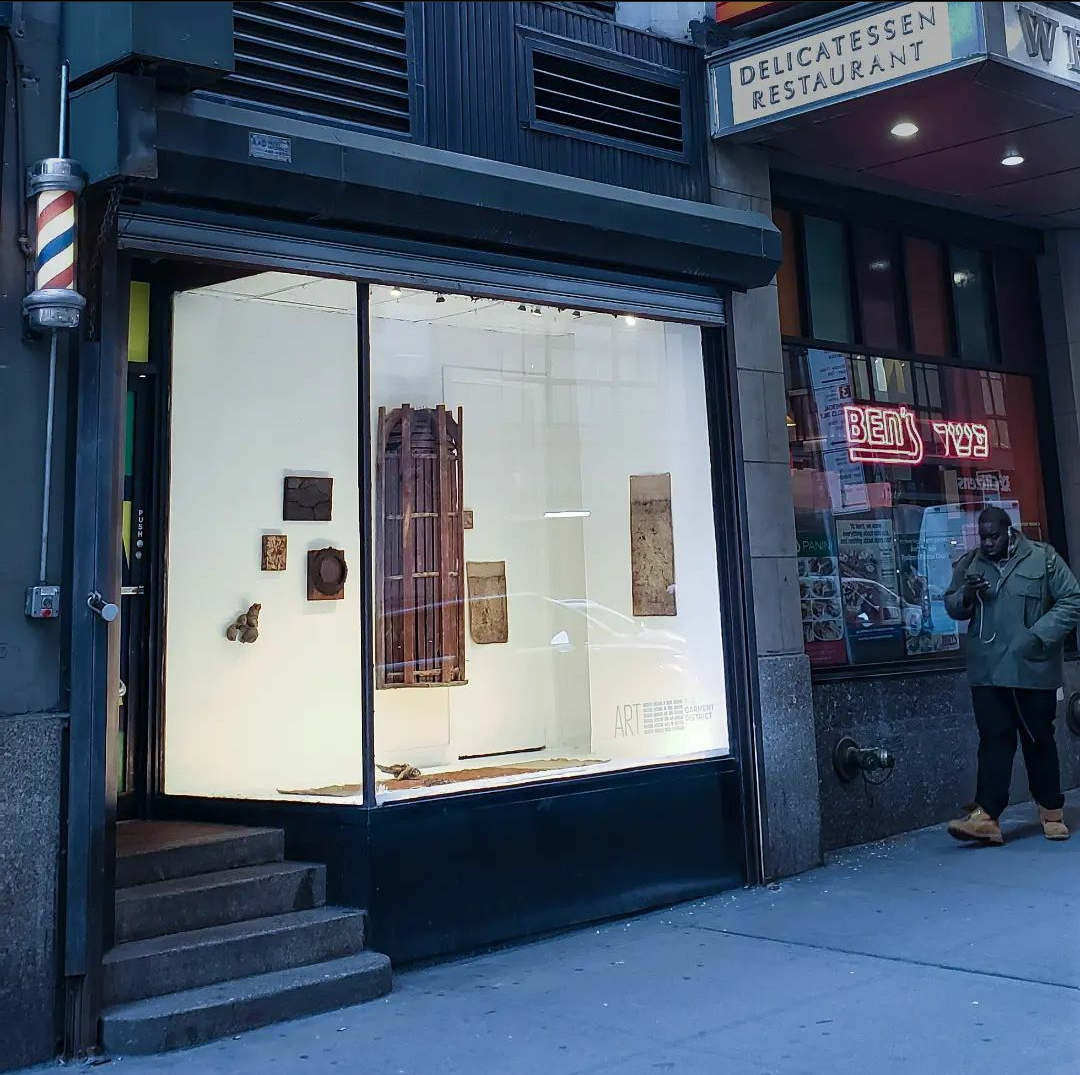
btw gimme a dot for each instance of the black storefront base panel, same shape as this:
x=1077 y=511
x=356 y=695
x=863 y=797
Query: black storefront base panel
x=458 y=873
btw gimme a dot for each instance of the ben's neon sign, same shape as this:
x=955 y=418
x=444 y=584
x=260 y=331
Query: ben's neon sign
x=891 y=435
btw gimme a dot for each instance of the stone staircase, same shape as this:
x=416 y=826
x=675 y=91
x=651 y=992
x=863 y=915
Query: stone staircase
x=216 y=934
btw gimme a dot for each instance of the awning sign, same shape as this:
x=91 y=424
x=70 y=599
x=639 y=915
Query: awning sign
x=840 y=60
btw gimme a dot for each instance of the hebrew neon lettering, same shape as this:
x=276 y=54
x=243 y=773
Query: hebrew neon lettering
x=963 y=440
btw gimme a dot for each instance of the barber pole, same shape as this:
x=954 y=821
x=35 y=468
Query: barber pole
x=54 y=186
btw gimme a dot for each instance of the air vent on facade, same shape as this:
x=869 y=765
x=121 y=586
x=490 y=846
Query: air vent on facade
x=607 y=103
x=338 y=61
x=601 y=10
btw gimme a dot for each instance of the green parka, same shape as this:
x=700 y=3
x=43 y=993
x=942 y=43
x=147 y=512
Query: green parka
x=1017 y=628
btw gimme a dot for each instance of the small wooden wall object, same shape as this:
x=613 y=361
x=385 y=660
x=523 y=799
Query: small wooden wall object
x=274 y=552
x=420 y=548
x=488 y=620
x=327 y=572
x=652 y=545
x=467 y=519
x=308 y=499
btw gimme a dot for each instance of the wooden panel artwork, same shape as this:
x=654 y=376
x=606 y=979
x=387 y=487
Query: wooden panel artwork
x=652 y=545
x=308 y=499
x=275 y=551
x=420 y=540
x=487 y=602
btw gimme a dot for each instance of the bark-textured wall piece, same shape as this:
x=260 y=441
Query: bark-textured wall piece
x=488 y=621
x=652 y=545
x=308 y=499
x=327 y=572
x=275 y=548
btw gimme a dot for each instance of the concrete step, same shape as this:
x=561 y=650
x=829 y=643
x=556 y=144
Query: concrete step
x=149 y=851
x=151 y=968
x=214 y=899
x=179 y=1020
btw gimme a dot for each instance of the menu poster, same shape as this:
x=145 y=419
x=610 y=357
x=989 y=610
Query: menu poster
x=819 y=595
x=868 y=586
x=928 y=628
x=832 y=392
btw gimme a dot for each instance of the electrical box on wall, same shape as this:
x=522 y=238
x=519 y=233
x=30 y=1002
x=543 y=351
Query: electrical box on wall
x=183 y=45
x=43 y=602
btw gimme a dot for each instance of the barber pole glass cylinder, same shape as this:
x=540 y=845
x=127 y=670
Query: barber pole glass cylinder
x=55 y=184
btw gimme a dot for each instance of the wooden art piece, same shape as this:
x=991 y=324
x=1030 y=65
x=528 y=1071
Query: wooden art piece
x=488 y=621
x=467 y=519
x=245 y=628
x=419 y=555
x=308 y=499
x=275 y=549
x=326 y=575
x=652 y=545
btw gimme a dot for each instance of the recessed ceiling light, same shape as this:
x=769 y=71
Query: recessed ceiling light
x=1011 y=160
x=631 y=320
x=905 y=130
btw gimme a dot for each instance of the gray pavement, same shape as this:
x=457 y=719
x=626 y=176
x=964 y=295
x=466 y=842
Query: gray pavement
x=916 y=956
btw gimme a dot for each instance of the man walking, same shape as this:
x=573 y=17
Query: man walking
x=1021 y=601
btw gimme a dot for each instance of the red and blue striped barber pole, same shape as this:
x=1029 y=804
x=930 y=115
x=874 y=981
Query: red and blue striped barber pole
x=55 y=240
x=54 y=185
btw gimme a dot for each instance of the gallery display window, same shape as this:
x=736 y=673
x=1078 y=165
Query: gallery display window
x=541 y=547
x=545 y=556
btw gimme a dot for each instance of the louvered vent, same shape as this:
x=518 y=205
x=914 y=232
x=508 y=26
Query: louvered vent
x=607 y=103
x=339 y=61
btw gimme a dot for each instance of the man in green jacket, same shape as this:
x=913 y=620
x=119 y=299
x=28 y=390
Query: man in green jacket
x=1021 y=601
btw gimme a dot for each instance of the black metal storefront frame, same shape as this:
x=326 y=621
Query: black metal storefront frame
x=522 y=860
x=354 y=841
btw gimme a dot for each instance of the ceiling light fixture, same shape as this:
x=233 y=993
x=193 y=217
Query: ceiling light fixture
x=631 y=320
x=396 y=292
x=576 y=513
x=1011 y=160
x=906 y=129
x=536 y=312
x=440 y=298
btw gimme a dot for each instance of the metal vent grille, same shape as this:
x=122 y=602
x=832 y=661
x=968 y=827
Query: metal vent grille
x=602 y=10
x=606 y=103
x=338 y=61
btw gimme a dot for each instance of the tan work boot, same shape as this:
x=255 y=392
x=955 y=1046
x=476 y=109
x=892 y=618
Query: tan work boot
x=978 y=827
x=1053 y=823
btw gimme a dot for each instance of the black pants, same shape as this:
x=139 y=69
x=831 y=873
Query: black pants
x=1001 y=714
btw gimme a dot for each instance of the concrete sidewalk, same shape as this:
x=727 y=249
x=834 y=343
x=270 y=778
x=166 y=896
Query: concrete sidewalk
x=917 y=956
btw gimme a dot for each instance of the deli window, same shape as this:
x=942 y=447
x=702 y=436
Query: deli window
x=892 y=462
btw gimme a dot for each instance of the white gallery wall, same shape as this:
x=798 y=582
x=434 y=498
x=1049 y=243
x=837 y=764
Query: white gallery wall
x=264 y=384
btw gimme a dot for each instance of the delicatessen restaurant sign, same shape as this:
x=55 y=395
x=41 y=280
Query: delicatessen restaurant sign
x=891 y=45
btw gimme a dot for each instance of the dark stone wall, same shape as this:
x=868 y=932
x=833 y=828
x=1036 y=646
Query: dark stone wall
x=31 y=756
x=31 y=652
x=927 y=723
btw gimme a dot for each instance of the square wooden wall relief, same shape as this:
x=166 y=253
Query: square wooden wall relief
x=652 y=545
x=488 y=620
x=274 y=552
x=308 y=499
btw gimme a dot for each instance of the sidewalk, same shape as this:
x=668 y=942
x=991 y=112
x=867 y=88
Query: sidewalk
x=917 y=956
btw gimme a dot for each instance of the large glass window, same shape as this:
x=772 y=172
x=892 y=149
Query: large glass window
x=892 y=461
x=545 y=557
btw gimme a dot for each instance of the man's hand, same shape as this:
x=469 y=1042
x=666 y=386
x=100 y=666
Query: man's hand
x=974 y=586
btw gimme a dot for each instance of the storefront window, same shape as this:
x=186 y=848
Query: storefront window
x=828 y=278
x=264 y=477
x=545 y=557
x=892 y=461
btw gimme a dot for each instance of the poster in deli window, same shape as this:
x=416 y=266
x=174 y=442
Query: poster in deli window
x=892 y=462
